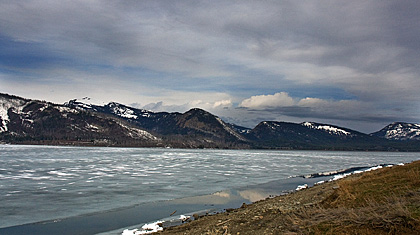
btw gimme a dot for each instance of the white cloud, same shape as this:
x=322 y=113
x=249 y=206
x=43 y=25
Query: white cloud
x=281 y=99
x=222 y=103
x=214 y=107
x=309 y=107
x=312 y=102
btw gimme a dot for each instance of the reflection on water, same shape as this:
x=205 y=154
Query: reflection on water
x=253 y=195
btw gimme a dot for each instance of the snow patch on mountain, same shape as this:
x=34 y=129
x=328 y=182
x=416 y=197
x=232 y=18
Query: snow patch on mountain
x=244 y=131
x=5 y=105
x=239 y=129
x=128 y=112
x=122 y=111
x=403 y=131
x=85 y=103
x=112 y=107
x=64 y=109
x=137 y=133
x=44 y=107
x=90 y=101
x=92 y=127
x=330 y=129
x=272 y=125
x=229 y=129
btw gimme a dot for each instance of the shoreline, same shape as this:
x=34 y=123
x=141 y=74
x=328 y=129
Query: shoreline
x=379 y=201
x=209 y=148
x=254 y=194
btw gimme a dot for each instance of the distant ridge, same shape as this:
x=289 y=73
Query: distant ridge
x=400 y=131
x=83 y=122
x=288 y=135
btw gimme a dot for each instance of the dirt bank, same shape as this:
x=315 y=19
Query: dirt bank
x=385 y=201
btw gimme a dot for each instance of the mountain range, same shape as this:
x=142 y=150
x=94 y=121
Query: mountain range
x=83 y=123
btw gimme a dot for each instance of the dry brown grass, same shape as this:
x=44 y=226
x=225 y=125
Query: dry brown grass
x=386 y=201
x=373 y=218
x=376 y=186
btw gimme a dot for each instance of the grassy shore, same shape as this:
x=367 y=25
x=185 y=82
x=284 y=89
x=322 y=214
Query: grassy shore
x=385 y=201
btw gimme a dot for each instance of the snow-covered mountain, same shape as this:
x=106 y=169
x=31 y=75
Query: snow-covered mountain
x=310 y=135
x=33 y=121
x=88 y=122
x=400 y=131
x=195 y=122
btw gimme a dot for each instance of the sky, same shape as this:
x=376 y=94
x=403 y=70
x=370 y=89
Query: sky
x=349 y=63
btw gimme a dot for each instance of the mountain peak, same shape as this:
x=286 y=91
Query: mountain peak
x=197 y=111
x=400 y=131
x=84 y=103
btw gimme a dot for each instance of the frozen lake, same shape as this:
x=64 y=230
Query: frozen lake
x=39 y=183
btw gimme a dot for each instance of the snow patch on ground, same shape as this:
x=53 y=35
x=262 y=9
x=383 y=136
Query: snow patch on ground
x=184 y=218
x=152 y=227
x=340 y=176
x=336 y=176
x=145 y=229
x=300 y=187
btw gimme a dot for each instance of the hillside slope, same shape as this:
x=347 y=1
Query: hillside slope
x=39 y=122
x=399 y=131
x=310 y=135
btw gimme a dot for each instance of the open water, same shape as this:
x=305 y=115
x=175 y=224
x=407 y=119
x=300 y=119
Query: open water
x=39 y=183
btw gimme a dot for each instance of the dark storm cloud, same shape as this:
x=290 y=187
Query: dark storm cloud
x=359 y=57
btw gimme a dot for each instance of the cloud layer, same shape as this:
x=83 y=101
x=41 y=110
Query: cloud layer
x=286 y=59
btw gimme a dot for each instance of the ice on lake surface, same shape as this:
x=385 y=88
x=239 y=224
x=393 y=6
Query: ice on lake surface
x=40 y=183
